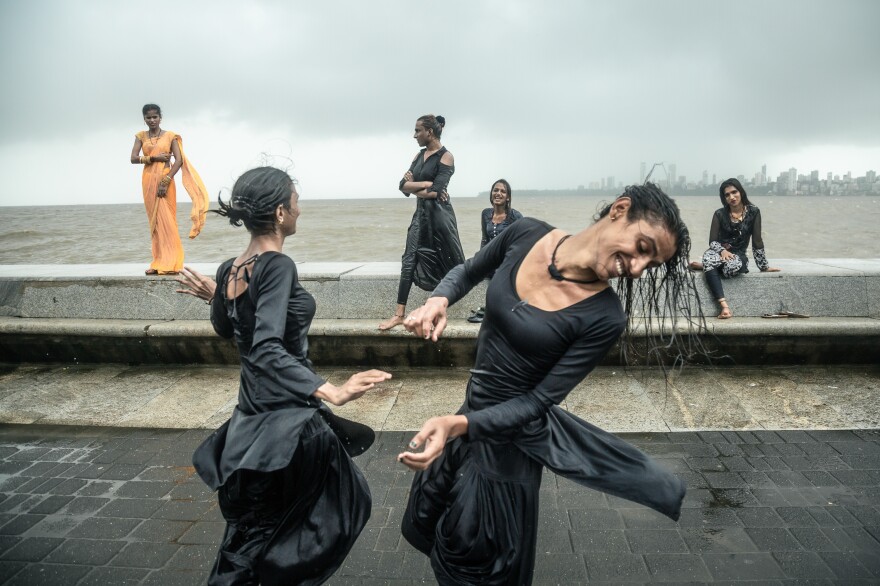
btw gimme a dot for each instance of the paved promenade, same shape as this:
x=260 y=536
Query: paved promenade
x=83 y=504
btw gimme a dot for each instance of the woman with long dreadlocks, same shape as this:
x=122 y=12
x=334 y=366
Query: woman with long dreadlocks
x=550 y=319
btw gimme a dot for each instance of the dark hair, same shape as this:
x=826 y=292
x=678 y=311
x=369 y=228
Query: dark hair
x=667 y=293
x=509 y=193
x=733 y=182
x=148 y=107
x=433 y=123
x=255 y=197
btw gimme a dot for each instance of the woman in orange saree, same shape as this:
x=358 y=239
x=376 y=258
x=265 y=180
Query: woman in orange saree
x=159 y=147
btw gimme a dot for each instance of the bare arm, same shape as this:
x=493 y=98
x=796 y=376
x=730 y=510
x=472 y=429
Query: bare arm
x=135 y=152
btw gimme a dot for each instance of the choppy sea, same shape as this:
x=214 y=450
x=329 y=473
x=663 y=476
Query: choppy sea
x=375 y=229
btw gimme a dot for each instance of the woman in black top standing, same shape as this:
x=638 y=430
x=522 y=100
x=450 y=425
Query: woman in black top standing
x=551 y=316
x=432 y=243
x=732 y=227
x=493 y=221
x=293 y=500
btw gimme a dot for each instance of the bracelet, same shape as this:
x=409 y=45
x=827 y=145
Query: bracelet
x=209 y=301
x=142 y=160
x=148 y=159
x=165 y=180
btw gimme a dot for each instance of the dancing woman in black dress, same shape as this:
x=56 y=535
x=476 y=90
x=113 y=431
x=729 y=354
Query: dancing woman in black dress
x=432 y=243
x=732 y=227
x=550 y=318
x=293 y=500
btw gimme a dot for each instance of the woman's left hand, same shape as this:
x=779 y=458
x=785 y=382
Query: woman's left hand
x=429 y=320
x=432 y=436
x=771 y=270
x=163 y=190
x=196 y=284
x=408 y=176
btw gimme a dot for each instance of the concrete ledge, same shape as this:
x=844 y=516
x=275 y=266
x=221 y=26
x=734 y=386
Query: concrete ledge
x=357 y=342
x=817 y=287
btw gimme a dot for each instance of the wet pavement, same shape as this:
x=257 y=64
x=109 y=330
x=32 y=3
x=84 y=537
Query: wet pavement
x=104 y=505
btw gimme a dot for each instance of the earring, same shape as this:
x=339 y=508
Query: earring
x=280 y=220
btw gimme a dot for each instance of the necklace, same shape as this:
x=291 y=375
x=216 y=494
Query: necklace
x=152 y=139
x=554 y=272
x=739 y=218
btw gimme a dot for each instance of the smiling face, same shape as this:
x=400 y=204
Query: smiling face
x=422 y=134
x=627 y=248
x=499 y=195
x=152 y=119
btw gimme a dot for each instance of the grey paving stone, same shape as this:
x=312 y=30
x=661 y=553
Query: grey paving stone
x=617 y=567
x=19 y=524
x=742 y=566
x=183 y=510
x=105 y=576
x=812 y=539
x=120 y=471
x=194 y=557
x=145 y=555
x=104 y=528
x=176 y=578
x=53 y=526
x=145 y=489
x=162 y=531
x=48 y=575
x=845 y=565
x=98 y=488
x=677 y=567
x=587 y=519
x=130 y=508
x=727 y=540
x=395 y=564
x=773 y=539
x=32 y=549
x=759 y=517
x=655 y=541
x=599 y=540
x=560 y=568
x=88 y=552
x=803 y=565
x=50 y=505
x=85 y=505
x=203 y=532
x=8 y=569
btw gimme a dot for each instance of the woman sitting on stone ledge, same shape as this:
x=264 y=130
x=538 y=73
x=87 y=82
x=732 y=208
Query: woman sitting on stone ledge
x=732 y=227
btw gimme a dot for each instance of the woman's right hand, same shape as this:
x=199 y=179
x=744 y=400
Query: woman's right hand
x=408 y=176
x=429 y=320
x=726 y=255
x=196 y=284
x=164 y=157
x=353 y=388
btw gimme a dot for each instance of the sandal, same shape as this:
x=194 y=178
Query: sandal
x=793 y=314
x=151 y=272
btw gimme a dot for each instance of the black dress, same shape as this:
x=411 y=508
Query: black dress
x=293 y=500
x=474 y=511
x=490 y=229
x=432 y=242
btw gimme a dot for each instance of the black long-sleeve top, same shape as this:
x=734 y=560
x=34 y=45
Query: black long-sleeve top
x=490 y=229
x=430 y=170
x=527 y=359
x=725 y=234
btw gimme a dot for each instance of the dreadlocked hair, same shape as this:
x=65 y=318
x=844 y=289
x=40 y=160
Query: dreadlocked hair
x=664 y=316
x=255 y=197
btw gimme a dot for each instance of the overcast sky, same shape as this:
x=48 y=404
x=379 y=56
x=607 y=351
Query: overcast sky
x=550 y=94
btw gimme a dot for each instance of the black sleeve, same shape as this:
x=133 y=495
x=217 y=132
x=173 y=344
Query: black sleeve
x=465 y=277
x=757 y=239
x=715 y=233
x=485 y=235
x=271 y=296
x=441 y=181
x=411 y=167
x=581 y=358
x=219 y=319
x=515 y=215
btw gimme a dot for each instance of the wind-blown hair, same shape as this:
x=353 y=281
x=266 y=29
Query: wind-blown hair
x=733 y=182
x=148 y=107
x=509 y=194
x=663 y=304
x=255 y=197
x=434 y=123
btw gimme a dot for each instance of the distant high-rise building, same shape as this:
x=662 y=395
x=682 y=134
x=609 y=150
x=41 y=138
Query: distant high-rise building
x=871 y=176
x=764 y=172
x=814 y=177
x=671 y=176
x=714 y=179
x=829 y=176
x=848 y=177
x=642 y=172
x=705 y=180
x=610 y=183
x=792 y=180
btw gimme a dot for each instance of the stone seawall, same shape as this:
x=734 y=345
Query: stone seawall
x=113 y=313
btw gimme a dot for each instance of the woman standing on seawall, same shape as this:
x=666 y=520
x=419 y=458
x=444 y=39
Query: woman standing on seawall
x=293 y=500
x=550 y=318
x=432 y=243
x=493 y=221
x=732 y=227
x=160 y=196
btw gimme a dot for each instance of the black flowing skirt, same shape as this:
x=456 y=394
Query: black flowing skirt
x=297 y=524
x=439 y=246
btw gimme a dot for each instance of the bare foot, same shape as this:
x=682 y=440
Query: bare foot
x=391 y=322
x=696 y=265
x=151 y=272
x=725 y=313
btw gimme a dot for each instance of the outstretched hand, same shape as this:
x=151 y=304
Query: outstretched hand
x=429 y=320
x=771 y=270
x=196 y=284
x=433 y=436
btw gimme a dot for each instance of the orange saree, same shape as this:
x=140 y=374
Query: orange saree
x=161 y=211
